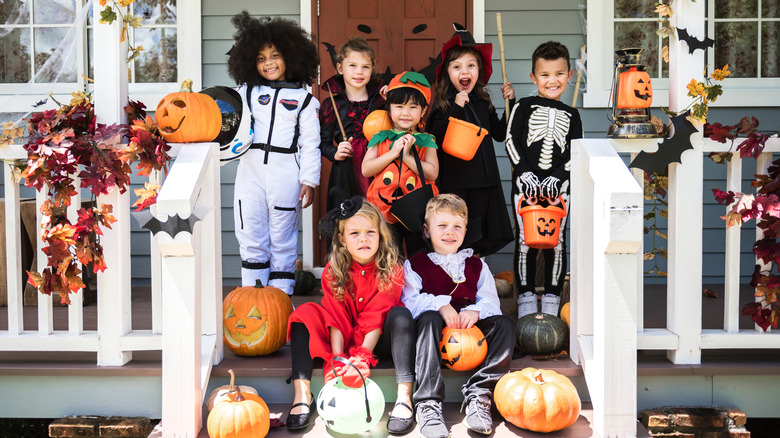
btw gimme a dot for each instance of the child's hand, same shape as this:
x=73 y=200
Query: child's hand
x=467 y=318
x=461 y=98
x=383 y=92
x=550 y=187
x=508 y=91
x=410 y=140
x=530 y=185
x=344 y=150
x=307 y=196
x=450 y=316
x=403 y=144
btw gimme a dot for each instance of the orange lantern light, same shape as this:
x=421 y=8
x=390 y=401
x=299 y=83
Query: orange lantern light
x=632 y=95
x=634 y=89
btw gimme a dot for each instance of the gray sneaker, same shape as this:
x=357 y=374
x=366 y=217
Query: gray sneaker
x=431 y=420
x=478 y=416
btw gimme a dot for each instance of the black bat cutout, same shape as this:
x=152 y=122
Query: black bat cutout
x=40 y=102
x=693 y=42
x=173 y=225
x=670 y=149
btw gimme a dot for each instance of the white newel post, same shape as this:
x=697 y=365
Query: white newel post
x=13 y=252
x=110 y=98
x=685 y=196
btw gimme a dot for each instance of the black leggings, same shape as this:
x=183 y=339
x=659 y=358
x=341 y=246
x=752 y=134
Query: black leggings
x=395 y=343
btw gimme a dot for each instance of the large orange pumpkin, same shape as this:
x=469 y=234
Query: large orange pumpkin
x=377 y=120
x=255 y=320
x=187 y=117
x=240 y=416
x=462 y=349
x=393 y=182
x=537 y=400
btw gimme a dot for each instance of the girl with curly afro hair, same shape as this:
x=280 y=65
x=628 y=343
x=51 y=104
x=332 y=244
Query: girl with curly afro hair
x=273 y=59
x=293 y=44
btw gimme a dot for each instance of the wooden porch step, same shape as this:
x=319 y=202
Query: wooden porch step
x=452 y=416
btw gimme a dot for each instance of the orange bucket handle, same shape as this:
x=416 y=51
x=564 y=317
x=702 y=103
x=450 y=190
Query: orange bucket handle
x=535 y=200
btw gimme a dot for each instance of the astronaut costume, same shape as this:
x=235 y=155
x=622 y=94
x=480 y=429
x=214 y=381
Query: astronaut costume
x=538 y=144
x=284 y=155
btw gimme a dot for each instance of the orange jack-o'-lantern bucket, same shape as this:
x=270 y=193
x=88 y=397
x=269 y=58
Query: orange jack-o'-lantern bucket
x=541 y=225
x=462 y=138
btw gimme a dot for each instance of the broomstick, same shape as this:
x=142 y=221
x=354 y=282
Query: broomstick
x=503 y=60
x=580 y=67
x=336 y=111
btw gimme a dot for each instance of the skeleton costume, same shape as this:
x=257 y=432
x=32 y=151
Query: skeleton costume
x=538 y=145
x=284 y=156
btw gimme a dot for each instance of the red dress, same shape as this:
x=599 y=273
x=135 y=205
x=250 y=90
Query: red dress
x=363 y=309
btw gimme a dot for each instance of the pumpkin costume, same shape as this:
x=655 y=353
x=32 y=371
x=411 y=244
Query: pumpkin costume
x=539 y=141
x=434 y=280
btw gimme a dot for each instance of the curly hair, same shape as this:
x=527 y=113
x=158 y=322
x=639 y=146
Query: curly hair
x=444 y=85
x=387 y=260
x=295 y=45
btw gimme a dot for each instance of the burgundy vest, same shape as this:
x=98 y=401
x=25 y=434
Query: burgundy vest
x=436 y=281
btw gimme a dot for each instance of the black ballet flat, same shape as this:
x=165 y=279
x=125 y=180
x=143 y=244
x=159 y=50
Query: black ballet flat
x=400 y=426
x=299 y=421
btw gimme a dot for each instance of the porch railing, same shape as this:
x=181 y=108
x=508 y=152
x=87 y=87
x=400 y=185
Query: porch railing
x=186 y=289
x=607 y=326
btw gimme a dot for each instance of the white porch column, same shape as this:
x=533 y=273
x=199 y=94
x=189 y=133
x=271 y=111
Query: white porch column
x=110 y=98
x=685 y=196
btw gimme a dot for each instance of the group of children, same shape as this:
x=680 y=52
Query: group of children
x=374 y=299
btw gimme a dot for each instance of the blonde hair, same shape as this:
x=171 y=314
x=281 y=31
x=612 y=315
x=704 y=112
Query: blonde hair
x=386 y=258
x=447 y=203
x=356 y=44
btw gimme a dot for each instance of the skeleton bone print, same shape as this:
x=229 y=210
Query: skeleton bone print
x=552 y=126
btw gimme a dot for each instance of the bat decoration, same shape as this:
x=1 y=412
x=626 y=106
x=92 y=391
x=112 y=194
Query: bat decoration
x=693 y=42
x=173 y=225
x=670 y=149
x=40 y=102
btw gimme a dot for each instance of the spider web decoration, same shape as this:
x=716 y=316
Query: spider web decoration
x=670 y=149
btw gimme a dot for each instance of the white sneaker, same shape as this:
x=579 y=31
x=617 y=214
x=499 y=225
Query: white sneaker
x=526 y=304
x=551 y=304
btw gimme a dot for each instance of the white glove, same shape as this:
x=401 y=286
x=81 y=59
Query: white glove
x=551 y=187
x=530 y=185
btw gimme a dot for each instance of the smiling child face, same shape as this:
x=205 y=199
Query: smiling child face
x=356 y=69
x=464 y=72
x=551 y=77
x=446 y=231
x=270 y=63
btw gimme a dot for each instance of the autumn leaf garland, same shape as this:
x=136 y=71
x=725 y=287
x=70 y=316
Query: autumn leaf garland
x=67 y=142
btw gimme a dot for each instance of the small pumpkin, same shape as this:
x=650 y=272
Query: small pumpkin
x=305 y=281
x=462 y=349
x=506 y=276
x=222 y=393
x=187 y=117
x=255 y=320
x=537 y=400
x=240 y=416
x=634 y=89
x=565 y=313
x=540 y=333
x=377 y=120
x=504 y=288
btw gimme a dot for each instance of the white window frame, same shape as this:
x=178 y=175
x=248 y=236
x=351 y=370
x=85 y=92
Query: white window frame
x=20 y=97
x=737 y=92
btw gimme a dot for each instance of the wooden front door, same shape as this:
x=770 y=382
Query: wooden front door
x=405 y=34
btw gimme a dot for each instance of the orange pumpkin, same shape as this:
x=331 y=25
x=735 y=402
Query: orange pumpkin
x=222 y=393
x=462 y=349
x=537 y=400
x=393 y=182
x=240 y=416
x=634 y=89
x=565 y=313
x=506 y=275
x=255 y=320
x=187 y=117
x=378 y=120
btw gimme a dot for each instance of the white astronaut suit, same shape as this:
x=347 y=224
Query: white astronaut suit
x=284 y=155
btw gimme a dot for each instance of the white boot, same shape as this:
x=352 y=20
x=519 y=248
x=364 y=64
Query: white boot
x=526 y=304
x=551 y=304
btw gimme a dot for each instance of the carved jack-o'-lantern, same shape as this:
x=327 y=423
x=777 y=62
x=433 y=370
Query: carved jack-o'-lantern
x=546 y=226
x=255 y=320
x=462 y=349
x=634 y=89
x=395 y=181
x=187 y=117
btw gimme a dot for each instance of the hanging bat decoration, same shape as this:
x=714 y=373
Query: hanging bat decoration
x=693 y=42
x=173 y=225
x=670 y=149
x=40 y=103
